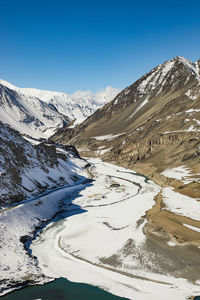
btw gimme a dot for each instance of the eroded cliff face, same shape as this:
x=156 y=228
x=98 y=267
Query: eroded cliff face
x=152 y=156
x=150 y=148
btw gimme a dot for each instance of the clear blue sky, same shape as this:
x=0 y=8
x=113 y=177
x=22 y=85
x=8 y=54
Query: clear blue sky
x=80 y=45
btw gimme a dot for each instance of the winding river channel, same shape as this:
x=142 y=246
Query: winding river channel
x=98 y=241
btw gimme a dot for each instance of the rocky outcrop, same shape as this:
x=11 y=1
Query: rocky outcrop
x=28 y=170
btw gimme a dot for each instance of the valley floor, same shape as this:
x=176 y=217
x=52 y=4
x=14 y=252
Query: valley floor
x=105 y=244
x=98 y=238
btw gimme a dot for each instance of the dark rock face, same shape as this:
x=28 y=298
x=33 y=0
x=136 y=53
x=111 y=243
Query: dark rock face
x=20 y=162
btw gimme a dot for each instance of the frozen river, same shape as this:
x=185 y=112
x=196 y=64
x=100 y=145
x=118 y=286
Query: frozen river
x=100 y=239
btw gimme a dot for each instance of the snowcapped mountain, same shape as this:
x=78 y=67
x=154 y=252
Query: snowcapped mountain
x=27 y=170
x=152 y=124
x=172 y=75
x=29 y=115
x=39 y=113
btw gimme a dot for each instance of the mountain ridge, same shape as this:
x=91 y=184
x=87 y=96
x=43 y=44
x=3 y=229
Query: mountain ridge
x=30 y=116
x=75 y=107
x=148 y=122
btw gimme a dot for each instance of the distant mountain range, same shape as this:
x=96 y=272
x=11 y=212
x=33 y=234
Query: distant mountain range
x=39 y=113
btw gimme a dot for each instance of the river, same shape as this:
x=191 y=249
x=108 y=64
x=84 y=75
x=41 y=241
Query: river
x=104 y=244
x=61 y=289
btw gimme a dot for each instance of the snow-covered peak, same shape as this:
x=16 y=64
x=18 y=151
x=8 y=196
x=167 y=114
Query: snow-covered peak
x=31 y=92
x=28 y=115
x=170 y=76
x=77 y=106
x=100 y=98
x=193 y=67
x=168 y=72
x=39 y=113
x=8 y=84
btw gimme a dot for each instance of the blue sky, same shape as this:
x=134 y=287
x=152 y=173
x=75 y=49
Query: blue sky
x=88 y=45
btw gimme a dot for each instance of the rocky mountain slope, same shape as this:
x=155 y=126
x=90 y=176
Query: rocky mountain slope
x=30 y=116
x=27 y=170
x=39 y=113
x=151 y=125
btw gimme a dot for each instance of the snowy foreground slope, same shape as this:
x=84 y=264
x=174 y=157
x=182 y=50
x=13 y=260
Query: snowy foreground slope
x=38 y=113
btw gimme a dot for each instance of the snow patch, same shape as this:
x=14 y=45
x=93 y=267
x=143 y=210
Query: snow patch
x=181 y=204
x=192 y=227
x=139 y=107
x=178 y=172
x=108 y=137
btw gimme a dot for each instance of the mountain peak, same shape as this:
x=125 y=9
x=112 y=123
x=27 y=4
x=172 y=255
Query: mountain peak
x=179 y=57
x=8 y=84
x=171 y=73
x=193 y=67
x=39 y=113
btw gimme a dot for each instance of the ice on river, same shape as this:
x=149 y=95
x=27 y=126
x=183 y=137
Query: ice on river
x=77 y=247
